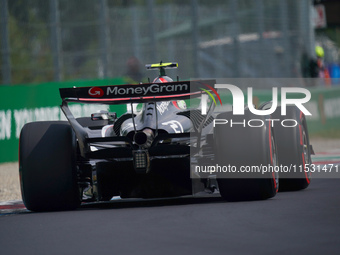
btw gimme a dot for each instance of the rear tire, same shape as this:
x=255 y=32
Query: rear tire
x=47 y=166
x=293 y=149
x=245 y=146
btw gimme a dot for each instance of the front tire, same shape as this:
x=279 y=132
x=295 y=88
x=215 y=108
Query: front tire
x=47 y=166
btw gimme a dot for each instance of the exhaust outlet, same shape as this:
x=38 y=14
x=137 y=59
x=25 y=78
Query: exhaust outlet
x=144 y=138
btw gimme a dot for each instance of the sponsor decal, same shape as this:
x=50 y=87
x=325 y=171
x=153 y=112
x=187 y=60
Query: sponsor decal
x=149 y=90
x=181 y=104
x=96 y=92
x=163 y=106
x=175 y=125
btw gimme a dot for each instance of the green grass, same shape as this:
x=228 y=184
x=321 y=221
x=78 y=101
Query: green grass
x=333 y=133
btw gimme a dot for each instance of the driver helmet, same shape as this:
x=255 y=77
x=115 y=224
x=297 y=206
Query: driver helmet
x=162 y=79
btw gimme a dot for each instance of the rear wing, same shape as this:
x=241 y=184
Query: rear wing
x=122 y=94
x=138 y=93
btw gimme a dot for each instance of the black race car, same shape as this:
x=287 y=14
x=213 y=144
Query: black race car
x=162 y=148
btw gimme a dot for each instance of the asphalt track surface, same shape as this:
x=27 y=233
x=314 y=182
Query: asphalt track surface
x=304 y=222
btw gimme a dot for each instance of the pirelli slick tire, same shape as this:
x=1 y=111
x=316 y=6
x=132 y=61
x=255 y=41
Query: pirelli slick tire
x=245 y=148
x=293 y=149
x=47 y=166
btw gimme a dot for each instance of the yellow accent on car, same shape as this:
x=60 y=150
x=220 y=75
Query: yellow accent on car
x=162 y=65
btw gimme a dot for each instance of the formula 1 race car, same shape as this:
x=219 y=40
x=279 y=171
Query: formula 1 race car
x=156 y=148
